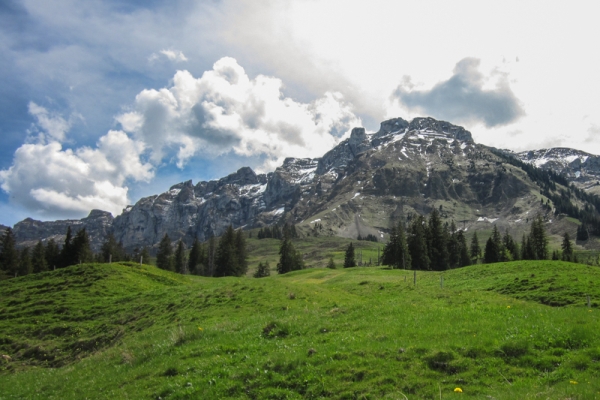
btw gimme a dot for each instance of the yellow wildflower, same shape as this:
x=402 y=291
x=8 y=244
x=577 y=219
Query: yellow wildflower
x=572 y=382
x=507 y=306
x=200 y=329
x=458 y=390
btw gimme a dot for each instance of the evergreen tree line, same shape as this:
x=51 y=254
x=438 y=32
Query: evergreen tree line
x=427 y=244
x=275 y=232
x=225 y=257
x=562 y=201
x=43 y=257
x=369 y=238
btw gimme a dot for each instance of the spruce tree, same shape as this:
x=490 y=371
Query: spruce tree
x=475 y=250
x=67 y=254
x=463 y=252
x=396 y=253
x=241 y=253
x=164 y=256
x=211 y=253
x=567 y=248
x=349 y=260
x=112 y=250
x=453 y=247
x=52 y=254
x=492 y=252
x=80 y=248
x=38 y=259
x=9 y=256
x=263 y=270
x=227 y=261
x=195 y=258
x=538 y=238
x=330 y=263
x=179 y=259
x=25 y=267
x=417 y=244
x=289 y=258
x=437 y=242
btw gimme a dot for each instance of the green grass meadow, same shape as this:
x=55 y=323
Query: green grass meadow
x=520 y=330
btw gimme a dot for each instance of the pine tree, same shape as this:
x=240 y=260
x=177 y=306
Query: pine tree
x=453 y=247
x=67 y=254
x=164 y=256
x=52 y=254
x=210 y=256
x=582 y=232
x=567 y=248
x=437 y=242
x=38 y=259
x=512 y=252
x=195 y=258
x=463 y=252
x=112 y=250
x=25 y=267
x=349 y=260
x=491 y=253
x=263 y=270
x=527 y=252
x=179 y=259
x=289 y=258
x=9 y=256
x=475 y=250
x=417 y=244
x=228 y=256
x=80 y=248
x=241 y=253
x=396 y=253
x=538 y=238
x=331 y=264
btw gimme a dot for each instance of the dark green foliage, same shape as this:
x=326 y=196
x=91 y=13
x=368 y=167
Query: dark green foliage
x=463 y=252
x=211 y=254
x=9 y=257
x=141 y=254
x=493 y=248
x=474 y=249
x=197 y=259
x=370 y=238
x=52 y=254
x=538 y=239
x=80 y=249
x=38 y=259
x=263 y=270
x=112 y=250
x=349 y=259
x=395 y=252
x=164 y=256
x=437 y=242
x=289 y=258
x=231 y=257
x=330 y=263
x=582 y=233
x=453 y=245
x=417 y=244
x=67 y=253
x=511 y=248
x=25 y=267
x=179 y=259
x=567 y=248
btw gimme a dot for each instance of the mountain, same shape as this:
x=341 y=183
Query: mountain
x=355 y=188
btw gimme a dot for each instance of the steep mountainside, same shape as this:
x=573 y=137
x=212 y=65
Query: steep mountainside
x=404 y=168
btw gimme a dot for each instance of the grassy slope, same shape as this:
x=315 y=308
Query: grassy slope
x=125 y=331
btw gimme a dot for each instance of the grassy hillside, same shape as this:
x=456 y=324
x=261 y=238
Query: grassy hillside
x=515 y=330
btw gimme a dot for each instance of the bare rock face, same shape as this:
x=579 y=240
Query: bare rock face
x=97 y=225
x=355 y=188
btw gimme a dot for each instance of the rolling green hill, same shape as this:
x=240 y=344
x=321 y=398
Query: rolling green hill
x=503 y=331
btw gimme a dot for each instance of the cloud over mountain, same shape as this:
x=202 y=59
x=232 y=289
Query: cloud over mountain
x=463 y=97
x=226 y=111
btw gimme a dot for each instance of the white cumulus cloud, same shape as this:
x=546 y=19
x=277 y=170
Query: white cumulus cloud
x=225 y=110
x=50 y=180
x=172 y=55
x=55 y=126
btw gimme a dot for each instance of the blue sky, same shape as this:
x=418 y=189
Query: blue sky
x=104 y=102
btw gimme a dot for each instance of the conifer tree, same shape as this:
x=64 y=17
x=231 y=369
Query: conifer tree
x=52 y=254
x=463 y=252
x=331 y=264
x=453 y=246
x=417 y=244
x=38 y=259
x=437 y=242
x=395 y=252
x=511 y=248
x=67 y=254
x=195 y=258
x=492 y=252
x=289 y=258
x=179 y=259
x=211 y=253
x=263 y=270
x=164 y=256
x=25 y=267
x=112 y=250
x=241 y=253
x=475 y=250
x=349 y=258
x=80 y=248
x=231 y=254
x=567 y=248
x=9 y=256
x=538 y=238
